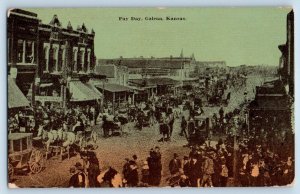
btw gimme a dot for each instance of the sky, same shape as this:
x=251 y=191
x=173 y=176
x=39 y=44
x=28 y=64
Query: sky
x=236 y=35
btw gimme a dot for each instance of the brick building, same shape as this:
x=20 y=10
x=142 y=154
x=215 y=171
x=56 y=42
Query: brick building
x=46 y=59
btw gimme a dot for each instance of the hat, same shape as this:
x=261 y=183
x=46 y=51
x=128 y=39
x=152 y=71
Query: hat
x=134 y=157
x=78 y=165
x=72 y=169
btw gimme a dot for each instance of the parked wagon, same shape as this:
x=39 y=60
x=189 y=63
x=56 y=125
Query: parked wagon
x=201 y=130
x=22 y=155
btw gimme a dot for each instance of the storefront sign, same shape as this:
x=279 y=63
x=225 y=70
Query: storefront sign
x=48 y=98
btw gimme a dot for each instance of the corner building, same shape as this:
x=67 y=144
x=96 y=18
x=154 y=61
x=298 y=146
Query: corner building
x=47 y=59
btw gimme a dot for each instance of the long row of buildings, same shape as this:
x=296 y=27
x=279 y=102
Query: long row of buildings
x=56 y=64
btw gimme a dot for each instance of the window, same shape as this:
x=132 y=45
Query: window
x=88 y=60
x=20 y=51
x=75 y=59
x=29 y=52
x=46 y=58
x=81 y=60
x=62 y=54
x=55 y=57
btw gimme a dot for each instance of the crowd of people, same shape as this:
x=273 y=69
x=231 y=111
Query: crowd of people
x=241 y=156
x=252 y=160
x=52 y=118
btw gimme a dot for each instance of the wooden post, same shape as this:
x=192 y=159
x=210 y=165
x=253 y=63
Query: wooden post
x=113 y=103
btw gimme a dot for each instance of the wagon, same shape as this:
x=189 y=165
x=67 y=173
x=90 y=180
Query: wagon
x=22 y=155
x=201 y=132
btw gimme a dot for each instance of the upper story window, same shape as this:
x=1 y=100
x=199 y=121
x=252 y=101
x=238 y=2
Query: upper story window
x=55 y=57
x=46 y=57
x=20 y=50
x=75 y=59
x=25 y=51
x=29 y=52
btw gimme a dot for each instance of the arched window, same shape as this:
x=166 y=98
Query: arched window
x=46 y=58
x=75 y=52
x=63 y=58
x=55 y=57
x=88 y=60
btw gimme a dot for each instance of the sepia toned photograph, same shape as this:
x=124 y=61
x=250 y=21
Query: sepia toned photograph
x=150 y=97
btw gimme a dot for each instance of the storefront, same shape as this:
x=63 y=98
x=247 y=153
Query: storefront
x=115 y=95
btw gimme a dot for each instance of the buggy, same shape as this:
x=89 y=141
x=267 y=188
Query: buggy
x=22 y=155
x=201 y=132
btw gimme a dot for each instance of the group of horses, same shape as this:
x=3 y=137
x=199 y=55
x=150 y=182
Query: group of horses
x=70 y=134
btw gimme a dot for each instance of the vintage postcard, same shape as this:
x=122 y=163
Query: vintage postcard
x=150 y=97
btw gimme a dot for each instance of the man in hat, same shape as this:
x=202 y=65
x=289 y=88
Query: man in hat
x=77 y=179
x=183 y=127
x=126 y=169
x=223 y=173
x=186 y=165
x=174 y=165
x=92 y=163
x=133 y=176
x=208 y=170
x=195 y=171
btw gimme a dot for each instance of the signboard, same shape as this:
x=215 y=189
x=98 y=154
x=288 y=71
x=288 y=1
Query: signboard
x=48 y=98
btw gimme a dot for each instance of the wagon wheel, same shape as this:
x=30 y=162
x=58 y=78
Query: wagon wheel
x=10 y=170
x=36 y=161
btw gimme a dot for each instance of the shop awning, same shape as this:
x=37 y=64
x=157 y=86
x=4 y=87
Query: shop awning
x=114 y=88
x=15 y=96
x=83 y=92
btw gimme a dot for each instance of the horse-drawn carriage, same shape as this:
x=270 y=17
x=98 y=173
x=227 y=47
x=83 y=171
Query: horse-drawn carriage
x=219 y=100
x=23 y=155
x=111 y=126
x=198 y=132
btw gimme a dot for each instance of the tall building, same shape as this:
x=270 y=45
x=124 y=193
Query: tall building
x=45 y=58
x=272 y=108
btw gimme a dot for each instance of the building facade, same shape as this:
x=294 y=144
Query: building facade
x=272 y=108
x=177 y=68
x=114 y=74
x=45 y=57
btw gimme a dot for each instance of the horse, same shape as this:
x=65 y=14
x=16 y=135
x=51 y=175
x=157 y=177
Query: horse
x=66 y=139
x=110 y=177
